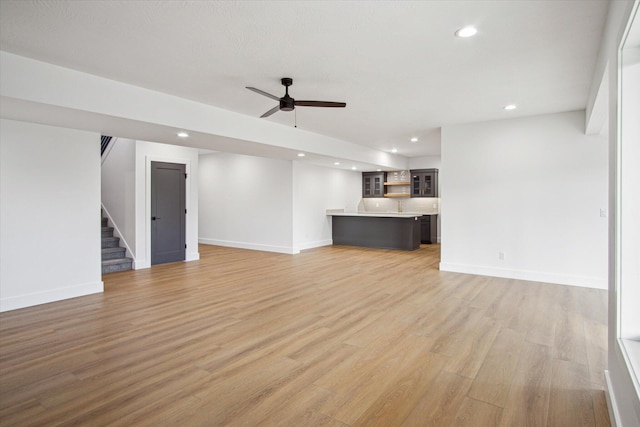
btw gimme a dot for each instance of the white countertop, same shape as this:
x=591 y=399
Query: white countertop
x=340 y=212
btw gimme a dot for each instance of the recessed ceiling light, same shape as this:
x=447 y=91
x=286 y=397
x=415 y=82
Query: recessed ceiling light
x=353 y=167
x=468 y=31
x=301 y=154
x=510 y=107
x=395 y=150
x=414 y=139
x=379 y=170
x=183 y=134
x=336 y=163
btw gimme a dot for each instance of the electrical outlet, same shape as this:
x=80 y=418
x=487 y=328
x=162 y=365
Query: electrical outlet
x=377 y=205
x=603 y=213
x=501 y=256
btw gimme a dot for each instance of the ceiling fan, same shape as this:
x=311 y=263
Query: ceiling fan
x=287 y=103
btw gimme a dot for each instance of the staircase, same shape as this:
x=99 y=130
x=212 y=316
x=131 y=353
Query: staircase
x=113 y=256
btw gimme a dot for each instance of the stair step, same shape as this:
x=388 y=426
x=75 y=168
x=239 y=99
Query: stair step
x=118 y=264
x=113 y=253
x=113 y=256
x=107 y=231
x=110 y=242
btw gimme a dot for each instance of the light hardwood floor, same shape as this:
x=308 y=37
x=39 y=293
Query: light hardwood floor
x=334 y=336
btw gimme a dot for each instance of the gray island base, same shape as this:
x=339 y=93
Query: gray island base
x=385 y=231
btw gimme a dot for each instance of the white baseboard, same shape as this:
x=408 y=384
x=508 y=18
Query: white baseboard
x=140 y=264
x=612 y=406
x=50 y=295
x=192 y=256
x=315 y=244
x=252 y=246
x=534 y=276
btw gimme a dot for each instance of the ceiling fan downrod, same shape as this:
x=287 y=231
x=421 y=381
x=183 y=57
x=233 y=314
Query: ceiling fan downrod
x=287 y=103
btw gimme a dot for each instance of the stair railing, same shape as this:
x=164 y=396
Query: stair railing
x=106 y=144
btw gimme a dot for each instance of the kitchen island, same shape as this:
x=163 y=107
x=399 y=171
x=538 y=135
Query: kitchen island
x=386 y=230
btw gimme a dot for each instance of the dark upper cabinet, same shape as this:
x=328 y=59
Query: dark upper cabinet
x=424 y=183
x=373 y=184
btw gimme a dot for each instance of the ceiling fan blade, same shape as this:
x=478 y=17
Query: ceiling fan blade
x=261 y=92
x=270 y=112
x=320 y=104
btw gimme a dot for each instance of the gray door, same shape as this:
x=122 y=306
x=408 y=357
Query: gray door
x=167 y=212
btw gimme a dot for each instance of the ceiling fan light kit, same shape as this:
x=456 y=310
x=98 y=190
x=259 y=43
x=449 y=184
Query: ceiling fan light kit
x=287 y=103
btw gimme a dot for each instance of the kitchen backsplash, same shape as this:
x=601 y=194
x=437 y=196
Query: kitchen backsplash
x=417 y=204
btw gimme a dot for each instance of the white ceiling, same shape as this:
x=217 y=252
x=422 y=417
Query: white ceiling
x=397 y=65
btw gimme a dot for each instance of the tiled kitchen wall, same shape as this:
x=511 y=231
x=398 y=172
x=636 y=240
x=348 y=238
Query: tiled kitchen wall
x=408 y=204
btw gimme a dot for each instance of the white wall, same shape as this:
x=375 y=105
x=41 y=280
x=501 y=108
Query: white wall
x=147 y=152
x=316 y=189
x=425 y=162
x=49 y=214
x=531 y=188
x=271 y=205
x=119 y=190
x=246 y=202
